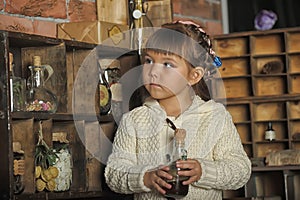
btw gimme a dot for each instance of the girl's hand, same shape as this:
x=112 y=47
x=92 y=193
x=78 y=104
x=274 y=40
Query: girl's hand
x=193 y=170
x=154 y=179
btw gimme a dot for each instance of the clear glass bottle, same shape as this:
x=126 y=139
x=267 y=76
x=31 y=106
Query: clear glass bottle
x=178 y=190
x=40 y=99
x=17 y=88
x=139 y=20
x=270 y=133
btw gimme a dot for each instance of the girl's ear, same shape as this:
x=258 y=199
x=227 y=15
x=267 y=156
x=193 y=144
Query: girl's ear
x=195 y=75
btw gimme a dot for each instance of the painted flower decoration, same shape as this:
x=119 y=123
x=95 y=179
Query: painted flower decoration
x=265 y=20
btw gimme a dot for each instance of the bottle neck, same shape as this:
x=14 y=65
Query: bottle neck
x=180 y=152
x=37 y=76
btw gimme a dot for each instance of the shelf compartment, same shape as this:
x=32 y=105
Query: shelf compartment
x=295 y=130
x=269 y=111
x=293 y=41
x=235 y=67
x=248 y=149
x=294 y=83
x=279 y=127
x=269 y=85
x=262 y=185
x=263 y=149
x=230 y=47
x=233 y=87
x=77 y=150
x=23 y=132
x=296 y=145
x=268 y=65
x=294 y=109
x=294 y=63
x=239 y=112
x=267 y=44
x=244 y=131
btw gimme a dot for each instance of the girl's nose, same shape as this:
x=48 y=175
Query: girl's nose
x=155 y=69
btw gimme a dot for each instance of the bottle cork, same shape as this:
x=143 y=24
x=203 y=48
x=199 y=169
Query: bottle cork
x=36 y=60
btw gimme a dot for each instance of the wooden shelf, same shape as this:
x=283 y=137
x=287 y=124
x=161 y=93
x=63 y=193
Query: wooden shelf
x=259 y=83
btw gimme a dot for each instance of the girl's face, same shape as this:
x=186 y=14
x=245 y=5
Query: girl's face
x=165 y=75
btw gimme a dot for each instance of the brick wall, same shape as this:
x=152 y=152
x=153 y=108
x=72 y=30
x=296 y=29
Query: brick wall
x=206 y=12
x=41 y=16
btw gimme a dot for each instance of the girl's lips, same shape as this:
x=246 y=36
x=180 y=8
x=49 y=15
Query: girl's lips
x=154 y=85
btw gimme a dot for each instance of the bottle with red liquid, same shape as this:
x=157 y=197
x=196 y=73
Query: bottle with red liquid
x=178 y=190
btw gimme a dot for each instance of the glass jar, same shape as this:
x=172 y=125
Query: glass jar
x=63 y=162
x=40 y=99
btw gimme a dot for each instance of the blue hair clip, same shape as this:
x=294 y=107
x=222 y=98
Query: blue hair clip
x=217 y=61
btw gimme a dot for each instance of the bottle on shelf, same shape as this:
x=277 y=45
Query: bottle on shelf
x=17 y=88
x=178 y=190
x=40 y=99
x=270 y=133
x=139 y=20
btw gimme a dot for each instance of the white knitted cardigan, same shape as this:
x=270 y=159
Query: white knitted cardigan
x=143 y=138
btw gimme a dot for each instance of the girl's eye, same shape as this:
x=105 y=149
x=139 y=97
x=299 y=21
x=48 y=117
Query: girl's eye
x=148 y=61
x=169 y=65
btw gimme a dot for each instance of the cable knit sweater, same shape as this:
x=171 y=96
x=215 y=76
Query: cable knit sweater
x=143 y=139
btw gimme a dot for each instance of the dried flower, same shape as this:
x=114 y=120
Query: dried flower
x=265 y=20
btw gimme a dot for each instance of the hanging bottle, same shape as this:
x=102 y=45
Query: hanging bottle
x=104 y=90
x=270 y=133
x=40 y=99
x=178 y=190
x=139 y=20
x=17 y=88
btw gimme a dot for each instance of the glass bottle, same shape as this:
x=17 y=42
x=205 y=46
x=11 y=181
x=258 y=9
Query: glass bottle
x=17 y=88
x=270 y=133
x=105 y=93
x=40 y=99
x=63 y=161
x=178 y=190
x=139 y=20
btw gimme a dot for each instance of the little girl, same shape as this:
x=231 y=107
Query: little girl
x=176 y=61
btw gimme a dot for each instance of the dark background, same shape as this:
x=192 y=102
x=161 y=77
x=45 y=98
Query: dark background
x=241 y=13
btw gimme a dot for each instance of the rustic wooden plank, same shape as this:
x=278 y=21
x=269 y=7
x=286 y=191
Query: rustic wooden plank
x=114 y=11
x=93 y=156
x=74 y=59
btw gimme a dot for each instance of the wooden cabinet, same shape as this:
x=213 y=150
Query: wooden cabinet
x=259 y=83
x=85 y=132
